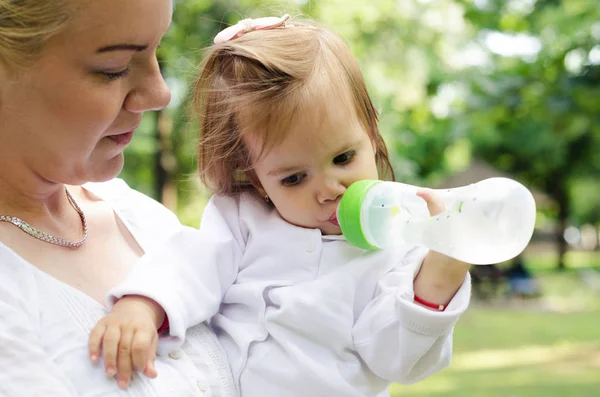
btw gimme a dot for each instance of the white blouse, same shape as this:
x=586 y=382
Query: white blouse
x=298 y=313
x=45 y=324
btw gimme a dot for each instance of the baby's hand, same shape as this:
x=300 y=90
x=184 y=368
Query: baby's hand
x=434 y=204
x=440 y=275
x=128 y=338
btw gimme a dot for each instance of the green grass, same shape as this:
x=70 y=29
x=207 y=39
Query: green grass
x=493 y=329
x=537 y=348
x=547 y=261
x=536 y=380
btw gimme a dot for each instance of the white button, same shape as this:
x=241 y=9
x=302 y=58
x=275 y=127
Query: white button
x=311 y=246
x=175 y=354
x=201 y=386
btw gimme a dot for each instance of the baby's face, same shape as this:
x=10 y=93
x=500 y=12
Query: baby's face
x=307 y=174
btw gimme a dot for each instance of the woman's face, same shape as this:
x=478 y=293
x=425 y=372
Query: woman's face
x=70 y=115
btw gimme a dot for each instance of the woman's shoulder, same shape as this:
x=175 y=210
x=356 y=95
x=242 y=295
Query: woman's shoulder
x=134 y=206
x=115 y=190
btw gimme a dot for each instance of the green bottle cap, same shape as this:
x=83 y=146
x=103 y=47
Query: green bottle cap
x=349 y=213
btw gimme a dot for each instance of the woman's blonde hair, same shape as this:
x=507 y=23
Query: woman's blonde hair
x=25 y=25
x=253 y=87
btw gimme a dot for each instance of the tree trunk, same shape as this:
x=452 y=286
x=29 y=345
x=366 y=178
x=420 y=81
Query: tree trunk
x=560 y=239
x=562 y=199
x=164 y=161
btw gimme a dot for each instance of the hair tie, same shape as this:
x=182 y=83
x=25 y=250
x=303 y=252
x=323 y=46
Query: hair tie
x=249 y=25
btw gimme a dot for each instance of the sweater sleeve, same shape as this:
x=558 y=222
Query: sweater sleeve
x=189 y=274
x=25 y=368
x=399 y=340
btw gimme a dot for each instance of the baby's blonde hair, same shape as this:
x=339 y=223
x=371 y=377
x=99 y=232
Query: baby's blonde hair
x=253 y=87
x=25 y=25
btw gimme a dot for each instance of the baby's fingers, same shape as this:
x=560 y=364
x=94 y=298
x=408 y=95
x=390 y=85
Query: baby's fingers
x=95 y=340
x=110 y=346
x=124 y=359
x=150 y=370
x=141 y=350
x=434 y=204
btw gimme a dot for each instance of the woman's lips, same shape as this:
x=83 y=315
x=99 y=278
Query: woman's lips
x=122 y=139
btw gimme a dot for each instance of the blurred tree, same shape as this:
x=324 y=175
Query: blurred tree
x=514 y=82
x=405 y=49
x=161 y=160
x=537 y=115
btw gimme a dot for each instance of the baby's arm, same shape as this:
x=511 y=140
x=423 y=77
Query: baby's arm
x=185 y=279
x=399 y=340
x=404 y=341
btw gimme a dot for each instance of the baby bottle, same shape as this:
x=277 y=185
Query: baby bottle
x=484 y=223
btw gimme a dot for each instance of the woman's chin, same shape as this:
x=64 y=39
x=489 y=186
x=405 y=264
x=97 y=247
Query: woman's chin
x=106 y=171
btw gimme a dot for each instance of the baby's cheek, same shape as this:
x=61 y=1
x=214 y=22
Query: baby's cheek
x=296 y=216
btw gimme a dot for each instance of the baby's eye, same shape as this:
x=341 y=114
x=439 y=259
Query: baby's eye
x=293 y=180
x=344 y=158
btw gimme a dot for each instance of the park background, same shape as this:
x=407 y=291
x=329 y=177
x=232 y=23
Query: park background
x=466 y=89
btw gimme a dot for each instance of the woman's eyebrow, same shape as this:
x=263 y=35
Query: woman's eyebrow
x=122 y=47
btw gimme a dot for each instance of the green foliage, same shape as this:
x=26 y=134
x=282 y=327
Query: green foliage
x=195 y=23
x=537 y=117
x=446 y=93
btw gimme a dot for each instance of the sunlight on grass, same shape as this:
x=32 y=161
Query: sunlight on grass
x=528 y=355
x=539 y=371
x=548 y=347
x=547 y=261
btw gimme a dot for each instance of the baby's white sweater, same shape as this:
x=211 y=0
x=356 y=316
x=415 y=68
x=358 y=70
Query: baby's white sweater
x=298 y=313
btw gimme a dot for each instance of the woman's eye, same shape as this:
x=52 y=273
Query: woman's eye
x=344 y=158
x=117 y=75
x=293 y=180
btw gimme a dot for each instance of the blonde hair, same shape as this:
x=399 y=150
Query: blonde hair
x=254 y=86
x=25 y=25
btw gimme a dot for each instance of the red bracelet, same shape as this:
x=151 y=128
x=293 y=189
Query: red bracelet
x=164 y=326
x=431 y=305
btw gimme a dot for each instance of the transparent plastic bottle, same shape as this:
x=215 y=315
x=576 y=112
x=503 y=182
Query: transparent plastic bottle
x=484 y=223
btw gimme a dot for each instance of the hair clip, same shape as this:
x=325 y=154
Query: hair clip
x=249 y=25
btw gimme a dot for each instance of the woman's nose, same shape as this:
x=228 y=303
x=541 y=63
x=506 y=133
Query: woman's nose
x=150 y=93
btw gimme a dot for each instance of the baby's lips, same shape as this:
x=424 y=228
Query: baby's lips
x=333 y=219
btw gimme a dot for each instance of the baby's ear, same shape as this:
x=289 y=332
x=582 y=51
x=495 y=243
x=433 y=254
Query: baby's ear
x=262 y=194
x=261 y=191
x=251 y=176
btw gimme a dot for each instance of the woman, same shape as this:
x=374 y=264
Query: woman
x=75 y=78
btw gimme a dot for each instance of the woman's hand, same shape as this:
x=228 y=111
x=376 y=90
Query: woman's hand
x=440 y=275
x=128 y=338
